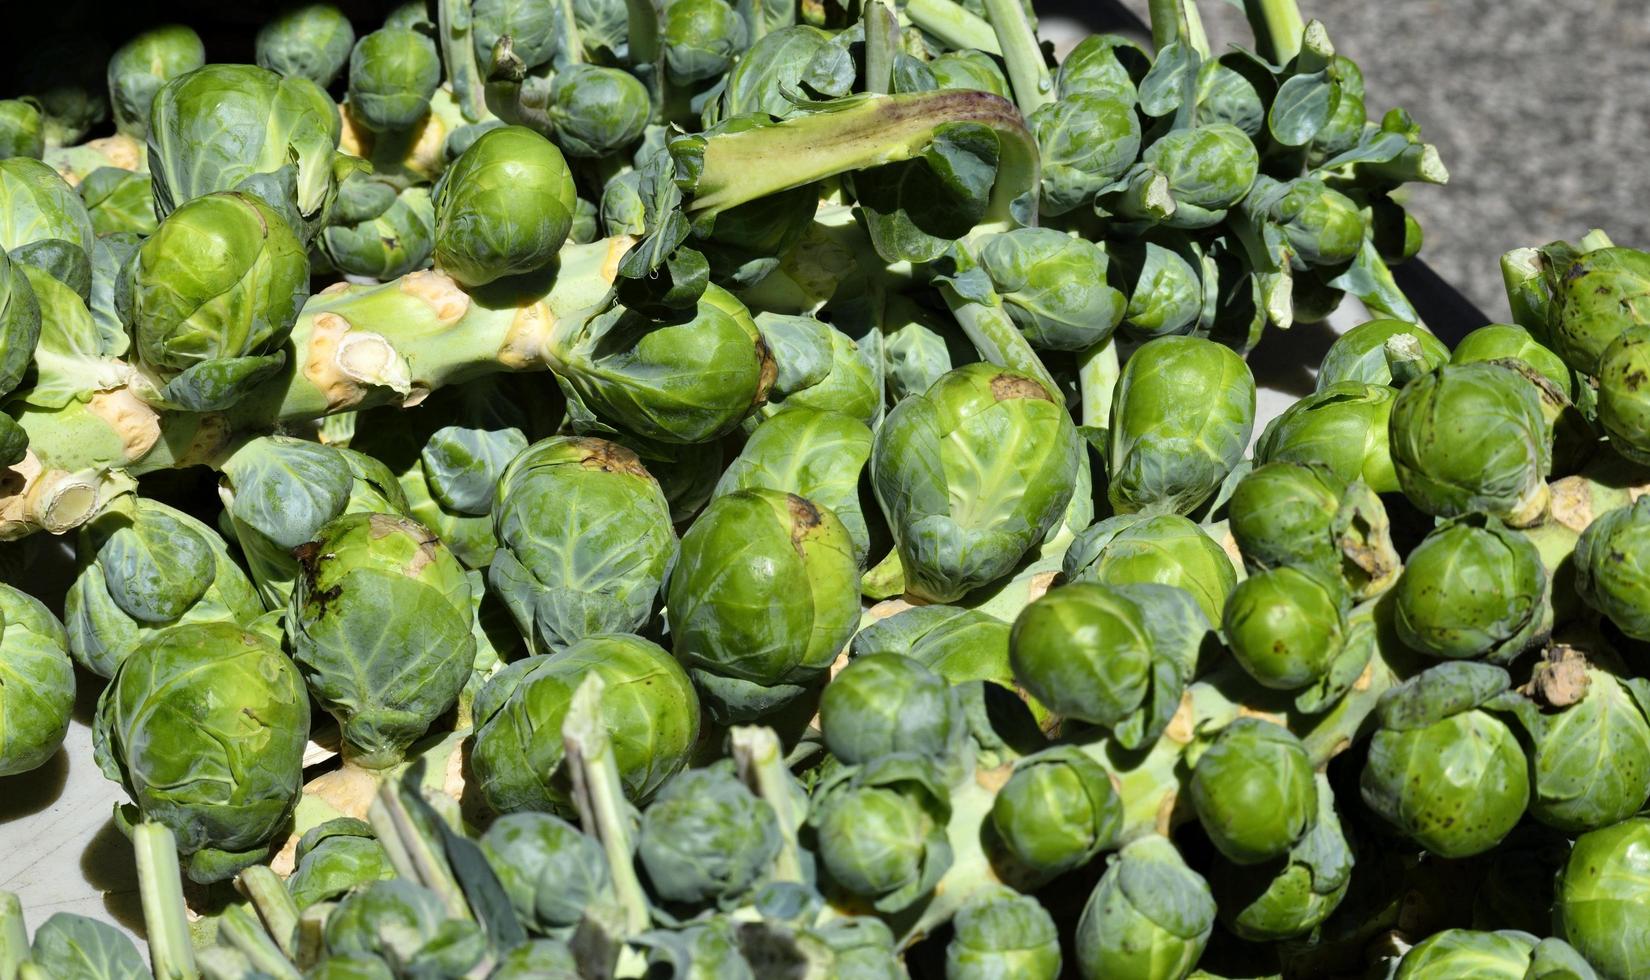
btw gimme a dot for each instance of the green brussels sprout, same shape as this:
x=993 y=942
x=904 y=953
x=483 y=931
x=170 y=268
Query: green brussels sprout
x=36 y=682
x=1167 y=549
x=597 y=111
x=1165 y=291
x=381 y=627
x=819 y=367
x=1058 y=810
x=335 y=858
x=704 y=948
x=534 y=29
x=702 y=38
x=968 y=70
x=1169 y=453
x=1320 y=225
x=1503 y=341
x=36 y=205
x=212 y=296
x=1473 y=589
x=585 y=539
x=22 y=129
x=504 y=207
x=1303 y=515
x=204 y=725
x=142 y=65
x=392 y=75
x=860 y=947
x=1595 y=297
x=20 y=324
x=622 y=209
x=1624 y=393
x=881 y=830
x=972 y=475
x=1366 y=353
x=1148 y=918
x=771 y=68
x=1086 y=141
x=1107 y=63
x=1471 y=437
x=1253 y=791
x=119 y=200
x=1444 y=771
x=1294 y=895
x=550 y=870
x=1612 y=566
x=1003 y=934
x=145 y=567
x=649 y=705
x=402 y=923
x=1464 y=952
x=540 y=959
x=1054 y=287
x=958 y=644
x=885 y=703
x=1286 y=625
x=706 y=838
x=1344 y=428
x=1113 y=655
x=763 y=596
x=920 y=349
x=1226 y=94
x=1209 y=169
x=386 y=245
x=1600 y=906
x=312 y=41
x=816 y=454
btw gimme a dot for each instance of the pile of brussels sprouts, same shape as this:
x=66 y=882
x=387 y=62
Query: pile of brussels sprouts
x=691 y=488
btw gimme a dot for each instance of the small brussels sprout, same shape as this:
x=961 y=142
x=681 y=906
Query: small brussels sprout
x=539 y=959
x=1086 y=141
x=1106 y=63
x=973 y=474
x=504 y=207
x=36 y=205
x=1600 y=906
x=205 y=725
x=1595 y=297
x=1149 y=917
x=1612 y=565
x=334 y=859
x=885 y=703
x=1442 y=770
x=144 y=568
x=119 y=201
x=597 y=111
x=1165 y=292
x=1367 y=353
x=1169 y=453
x=1286 y=625
x=1167 y=549
x=1321 y=226
x=881 y=830
x=649 y=705
x=1284 y=514
x=142 y=65
x=701 y=39
x=771 y=69
x=1465 y=952
x=1054 y=287
x=968 y=70
x=393 y=72
x=311 y=41
x=763 y=596
x=1003 y=934
x=819 y=367
x=585 y=539
x=1344 y=427
x=1209 y=169
x=1503 y=341
x=707 y=947
x=22 y=129
x=1253 y=791
x=1473 y=589
x=534 y=29
x=402 y=923
x=1471 y=437
x=706 y=838
x=550 y=870
x=398 y=240
x=1624 y=393
x=36 y=682
x=1057 y=811
x=1294 y=895
x=381 y=626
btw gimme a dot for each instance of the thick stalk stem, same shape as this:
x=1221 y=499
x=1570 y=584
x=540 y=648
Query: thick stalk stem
x=171 y=954
x=1028 y=72
x=954 y=26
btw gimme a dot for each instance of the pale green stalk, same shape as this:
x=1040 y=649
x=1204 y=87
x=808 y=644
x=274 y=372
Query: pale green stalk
x=171 y=955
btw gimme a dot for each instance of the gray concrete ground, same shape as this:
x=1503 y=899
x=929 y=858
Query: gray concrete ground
x=1540 y=108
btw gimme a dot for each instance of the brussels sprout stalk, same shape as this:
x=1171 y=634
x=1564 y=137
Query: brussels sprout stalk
x=954 y=25
x=599 y=798
x=240 y=929
x=14 y=935
x=761 y=764
x=1178 y=21
x=1278 y=28
x=274 y=904
x=458 y=54
x=161 y=889
x=1027 y=70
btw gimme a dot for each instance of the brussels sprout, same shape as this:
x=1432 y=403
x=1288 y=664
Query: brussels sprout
x=1366 y=353
x=1595 y=297
x=311 y=41
x=204 y=725
x=819 y=367
x=143 y=568
x=534 y=30
x=1148 y=918
x=22 y=129
x=1209 y=169
x=381 y=627
x=1600 y=907
x=393 y=72
x=1624 y=393
x=37 y=206
x=597 y=111
x=704 y=948
x=1464 y=952
x=36 y=682
x=771 y=68
x=407 y=925
x=1054 y=287
x=1343 y=428
x=1167 y=549
x=885 y=703
x=119 y=201
x=1086 y=141
x=585 y=539
x=1473 y=589
x=1294 y=895
x=504 y=207
x=1303 y=515
x=881 y=830
x=1443 y=770
x=549 y=869
x=649 y=705
x=388 y=244
x=1253 y=791
x=540 y=959
x=706 y=838
x=968 y=70
x=142 y=65
x=1002 y=934
x=1612 y=564
x=1285 y=625
x=1503 y=341
x=762 y=598
x=701 y=39
x=1320 y=225
x=1106 y=63
x=1057 y=811
x=973 y=474
x=334 y=859
x=1471 y=437
x=1113 y=655
x=1169 y=453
